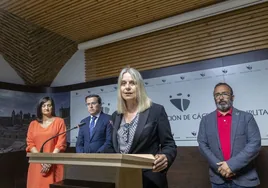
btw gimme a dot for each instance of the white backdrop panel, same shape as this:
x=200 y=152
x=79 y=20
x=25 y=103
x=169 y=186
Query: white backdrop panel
x=189 y=96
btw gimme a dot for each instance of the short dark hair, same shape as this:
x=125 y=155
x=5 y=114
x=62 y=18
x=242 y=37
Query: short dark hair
x=39 y=108
x=224 y=84
x=94 y=95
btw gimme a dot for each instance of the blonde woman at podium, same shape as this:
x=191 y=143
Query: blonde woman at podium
x=46 y=126
x=142 y=127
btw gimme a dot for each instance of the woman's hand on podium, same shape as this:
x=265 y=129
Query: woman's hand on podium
x=160 y=163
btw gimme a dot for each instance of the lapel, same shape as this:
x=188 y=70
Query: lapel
x=141 y=123
x=117 y=122
x=97 y=126
x=215 y=127
x=235 y=120
x=86 y=127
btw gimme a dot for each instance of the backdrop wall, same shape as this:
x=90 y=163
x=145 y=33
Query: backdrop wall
x=188 y=96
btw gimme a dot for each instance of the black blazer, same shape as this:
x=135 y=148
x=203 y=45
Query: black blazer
x=152 y=136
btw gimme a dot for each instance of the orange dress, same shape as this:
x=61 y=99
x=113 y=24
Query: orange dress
x=36 y=136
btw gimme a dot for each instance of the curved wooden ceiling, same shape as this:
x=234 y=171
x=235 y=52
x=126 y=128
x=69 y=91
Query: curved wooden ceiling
x=38 y=37
x=82 y=20
x=35 y=53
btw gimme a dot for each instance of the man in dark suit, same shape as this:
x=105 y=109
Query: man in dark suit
x=230 y=141
x=96 y=134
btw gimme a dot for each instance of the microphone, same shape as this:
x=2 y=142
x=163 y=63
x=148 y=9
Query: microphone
x=78 y=126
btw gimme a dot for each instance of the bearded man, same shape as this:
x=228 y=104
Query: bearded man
x=230 y=140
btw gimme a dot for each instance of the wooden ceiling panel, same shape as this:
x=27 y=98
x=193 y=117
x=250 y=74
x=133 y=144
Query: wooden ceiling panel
x=225 y=34
x=82 y=20
x=35 y=53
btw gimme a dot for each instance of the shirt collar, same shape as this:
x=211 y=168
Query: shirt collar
x=229 y=113
x=97 y=115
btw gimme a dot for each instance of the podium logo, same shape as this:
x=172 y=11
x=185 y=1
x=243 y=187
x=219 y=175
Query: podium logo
x=203 y=74
x=182 y=77
x=180 y=103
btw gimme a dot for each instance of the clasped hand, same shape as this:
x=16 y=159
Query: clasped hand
x=45 y=168
x=225 y=170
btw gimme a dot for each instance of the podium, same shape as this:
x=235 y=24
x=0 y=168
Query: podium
x=124 y=170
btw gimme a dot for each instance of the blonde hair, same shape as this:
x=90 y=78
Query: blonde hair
x=144 y=102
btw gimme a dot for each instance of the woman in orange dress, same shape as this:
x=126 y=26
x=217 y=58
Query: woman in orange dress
x=46 y=126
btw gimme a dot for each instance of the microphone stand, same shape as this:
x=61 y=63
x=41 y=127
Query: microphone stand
x=79 y=125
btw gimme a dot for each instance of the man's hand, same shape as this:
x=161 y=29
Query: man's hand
x=160 y=163
x=224 y=169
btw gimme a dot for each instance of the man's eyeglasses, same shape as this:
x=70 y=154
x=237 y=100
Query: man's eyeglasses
x=224 y=95
x=92 y=103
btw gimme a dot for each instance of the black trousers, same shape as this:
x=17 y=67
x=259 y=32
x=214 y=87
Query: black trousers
x=154 y=179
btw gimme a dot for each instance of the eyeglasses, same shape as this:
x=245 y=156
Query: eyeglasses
x=224 y=95
x=92 y=103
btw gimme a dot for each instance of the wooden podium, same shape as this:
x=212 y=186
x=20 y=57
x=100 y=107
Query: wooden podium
x=124 y=170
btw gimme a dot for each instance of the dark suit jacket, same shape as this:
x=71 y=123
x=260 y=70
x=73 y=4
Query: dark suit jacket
x=245 y=146
x=152 y=136
x=101 y=138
